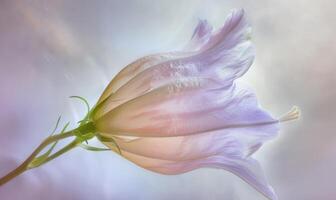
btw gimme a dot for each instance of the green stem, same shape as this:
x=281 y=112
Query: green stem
x=86 y=128
x=67 y=148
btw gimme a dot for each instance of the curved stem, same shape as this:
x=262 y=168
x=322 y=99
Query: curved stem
x=82 y=133
x=24 y=166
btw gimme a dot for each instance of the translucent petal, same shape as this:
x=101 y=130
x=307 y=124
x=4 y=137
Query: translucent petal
x=185 y=109
x=215 y=60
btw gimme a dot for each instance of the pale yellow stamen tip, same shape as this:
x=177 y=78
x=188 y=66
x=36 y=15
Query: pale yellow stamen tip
x=293 y=114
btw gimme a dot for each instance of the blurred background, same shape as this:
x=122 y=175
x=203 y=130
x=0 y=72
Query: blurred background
x=50 y=50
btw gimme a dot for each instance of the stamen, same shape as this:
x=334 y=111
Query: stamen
x=293 y=114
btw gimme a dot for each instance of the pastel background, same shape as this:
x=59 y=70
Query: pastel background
x=50 y=50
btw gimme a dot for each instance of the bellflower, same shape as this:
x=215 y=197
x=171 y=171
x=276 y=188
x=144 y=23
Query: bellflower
x=174 y=112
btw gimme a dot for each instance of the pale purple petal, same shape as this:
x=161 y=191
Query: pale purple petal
x=198 y=145
x=218 y=62
x=200 y=36
x=183 y=110
x=230 y=159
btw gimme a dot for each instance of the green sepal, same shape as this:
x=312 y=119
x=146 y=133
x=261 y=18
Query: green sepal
x=57 y=123
x=109 y=140
x=87 y=116
x=92 y=148
x=84 y=100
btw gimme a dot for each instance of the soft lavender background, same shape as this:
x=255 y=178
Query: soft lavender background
x=50 y=50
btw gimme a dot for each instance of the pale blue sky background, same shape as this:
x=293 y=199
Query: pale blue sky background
x=50 y=50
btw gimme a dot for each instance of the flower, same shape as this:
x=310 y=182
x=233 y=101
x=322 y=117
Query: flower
x=174 y=112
